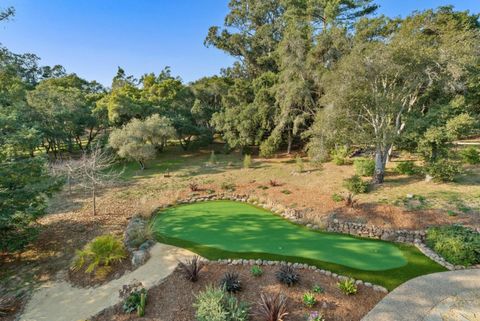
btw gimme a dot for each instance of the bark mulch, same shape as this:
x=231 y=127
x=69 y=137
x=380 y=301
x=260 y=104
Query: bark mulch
x=173 y=299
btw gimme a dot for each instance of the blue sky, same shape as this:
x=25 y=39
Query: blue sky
x=93 y=37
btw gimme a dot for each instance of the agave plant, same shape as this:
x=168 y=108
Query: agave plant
x=191 y=268
x=272 y=307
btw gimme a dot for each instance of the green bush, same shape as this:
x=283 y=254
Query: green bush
x=213 y=304
x=407 y=168
x=213 y=159
x=470 y=155
x=456 y=244
x=444 y=170
x=309 y=299
x=226 y=186
x=337 y=197
x=256 y=271
x=364 y=166
x=247 y=161
x=99 y=254
x=355 y=185
x=347 y=286
x=299 y=164
x=339 y=155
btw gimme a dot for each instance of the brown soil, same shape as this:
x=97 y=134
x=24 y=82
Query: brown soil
x=174 y=297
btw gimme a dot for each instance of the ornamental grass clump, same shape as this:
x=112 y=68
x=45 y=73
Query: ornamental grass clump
x=99 y=254
x=287 y=275
x=191 y=268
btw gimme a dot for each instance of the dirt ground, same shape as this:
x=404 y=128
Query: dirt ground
x=174 y=298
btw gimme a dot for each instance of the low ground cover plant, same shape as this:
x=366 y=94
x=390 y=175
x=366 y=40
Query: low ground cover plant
x=317 y=289
x=99 y=254
x=347 y=286
x=191 y=268
x=456 y=244
x=287 y=274
x=364 y=166
x=213 y=304
x=315 y=316
x=309 y=299
x=256 y=271
x=231 y=282
x=272 y=307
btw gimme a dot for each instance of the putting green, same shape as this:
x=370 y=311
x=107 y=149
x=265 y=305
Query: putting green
x=219 y=229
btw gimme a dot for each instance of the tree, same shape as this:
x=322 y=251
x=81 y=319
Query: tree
x=96 y=171
x=24 y=188
x=388 y=75
x=139 y=140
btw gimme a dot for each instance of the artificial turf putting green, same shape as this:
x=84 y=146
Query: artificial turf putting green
x=228 y=229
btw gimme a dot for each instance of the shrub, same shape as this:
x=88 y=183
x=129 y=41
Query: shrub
x=226 y=186
x=213 y=158
x=347 y=286
x=407 y=168
x=231 y=282
x=337 y=197
x=213 y=304
x=286 y=192
x=339 y=156
x=317 y=289
x=247 y=161
x=315 y=316
x=309 y=299
x=134 y=298
x=274 y=183
x=364 y=166
x=191 y=268
x=470 y=155
x=272 y=307
x=355 y=185
x=287 y=275
x=99 y=254
x=193 y=187
x=210 y=305
x=456 y=244
x=444 y=170
x=299 y=164
x=256 y=271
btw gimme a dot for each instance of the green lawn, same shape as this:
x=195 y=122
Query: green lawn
x=226 y=229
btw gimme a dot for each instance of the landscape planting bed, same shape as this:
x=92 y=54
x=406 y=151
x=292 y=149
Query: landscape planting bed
x=228 y=229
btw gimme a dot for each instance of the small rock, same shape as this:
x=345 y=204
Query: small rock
x=139 y=257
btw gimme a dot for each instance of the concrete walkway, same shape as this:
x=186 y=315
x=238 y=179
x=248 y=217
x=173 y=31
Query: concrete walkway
x=59 y=301
x=453 y=295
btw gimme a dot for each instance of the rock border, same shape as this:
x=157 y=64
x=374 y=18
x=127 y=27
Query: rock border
x=415 y=237
x=303 y=266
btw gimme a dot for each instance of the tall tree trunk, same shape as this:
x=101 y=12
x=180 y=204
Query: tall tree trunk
x=381 y=155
